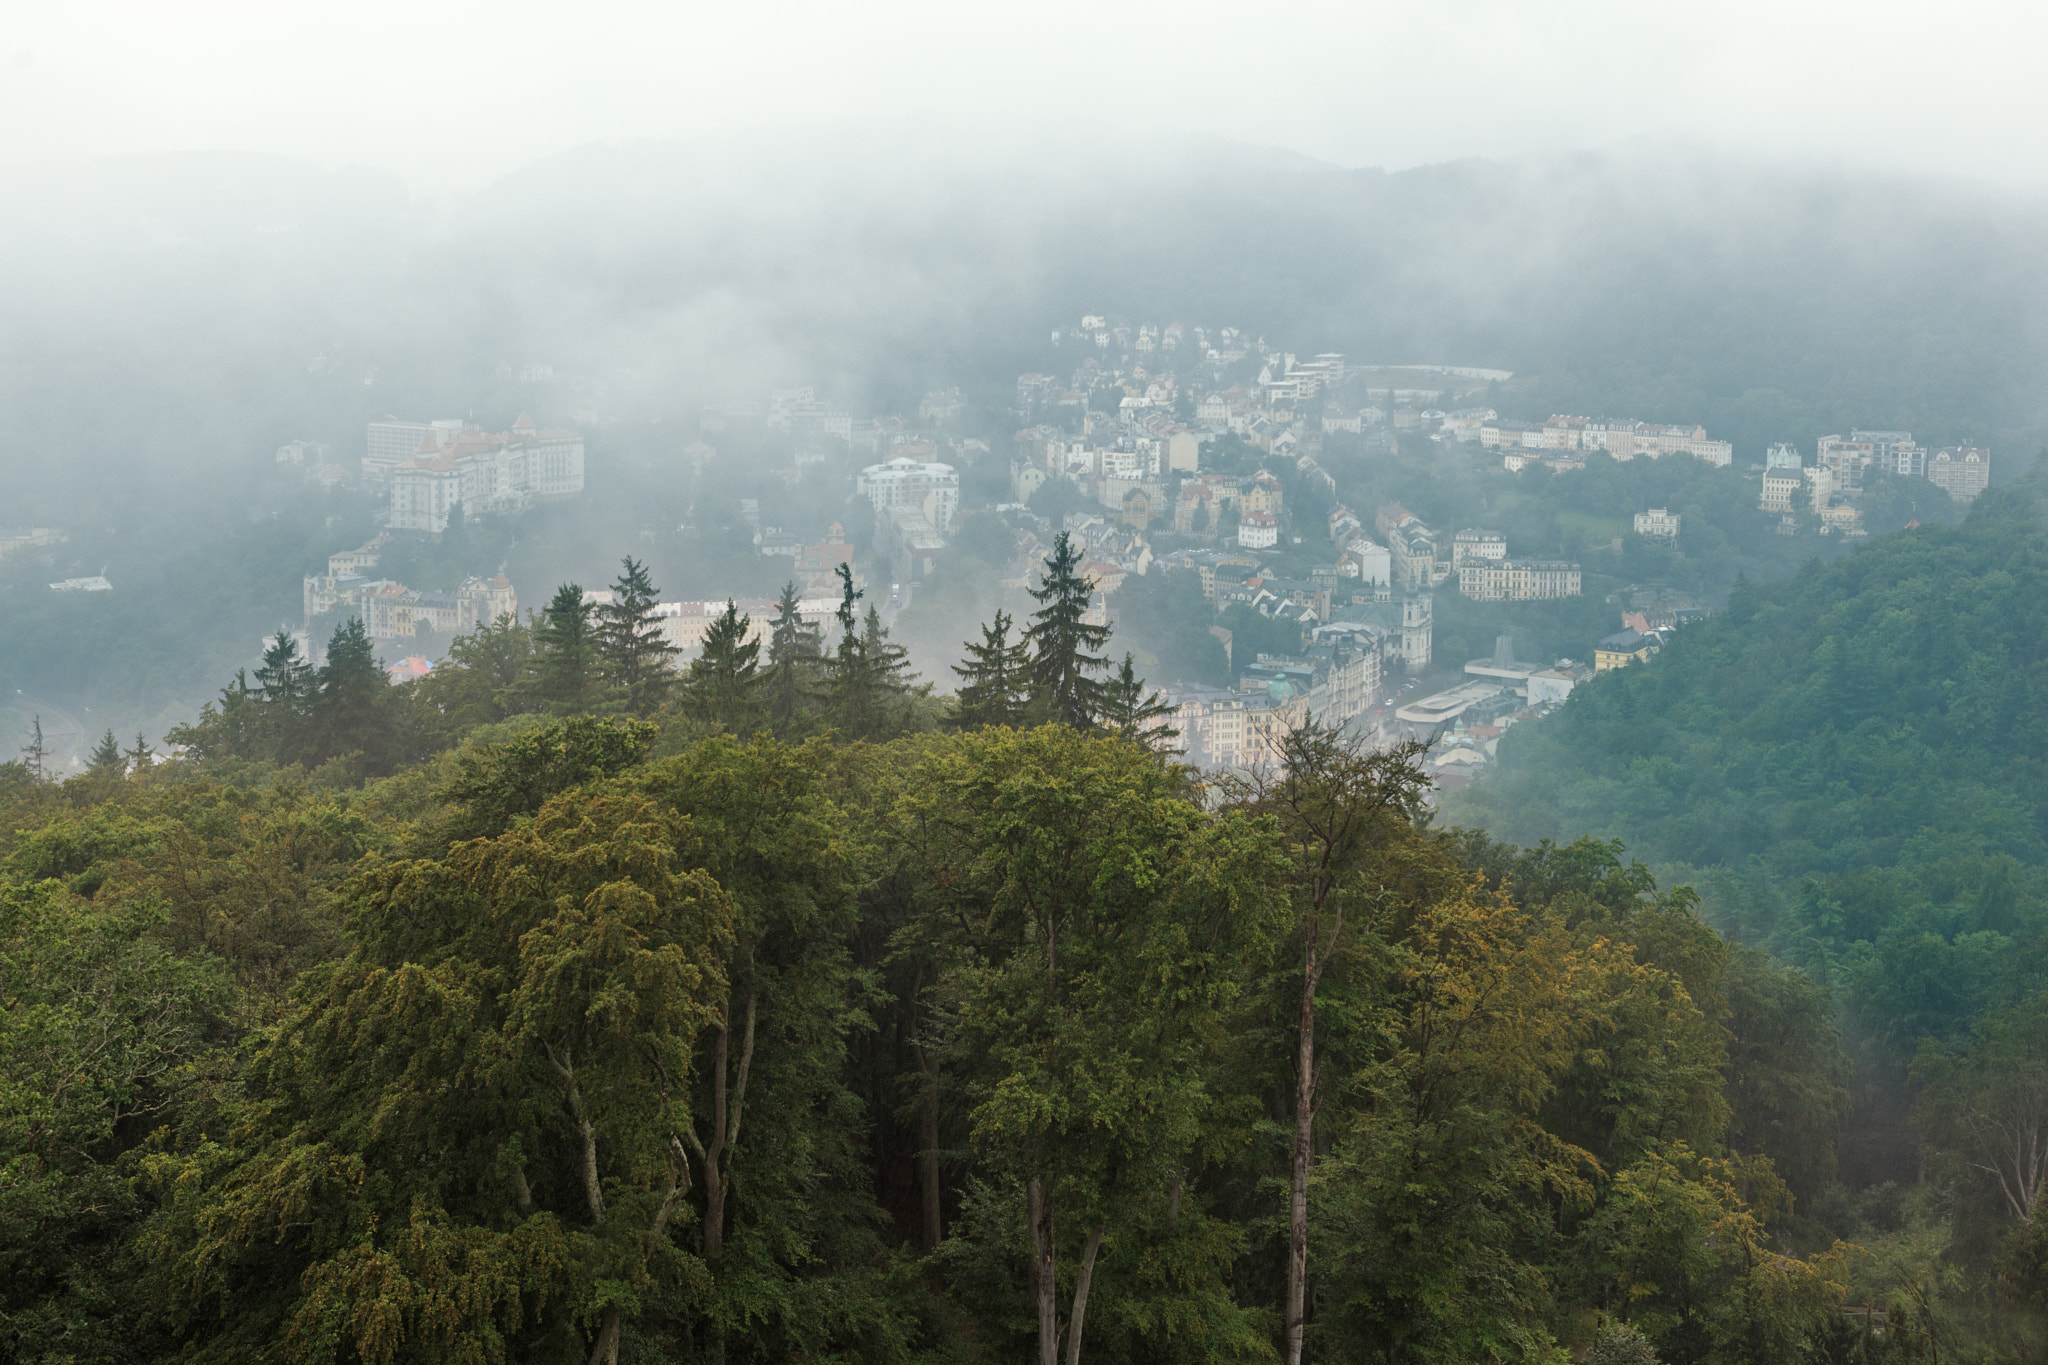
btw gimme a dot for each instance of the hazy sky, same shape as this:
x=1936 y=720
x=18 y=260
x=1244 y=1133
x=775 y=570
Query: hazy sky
x=451 y=95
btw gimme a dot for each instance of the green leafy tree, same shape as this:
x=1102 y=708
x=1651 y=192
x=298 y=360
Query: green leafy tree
x=724 y=682
x=1064 y=645
x=632 y=652
x=994 y=679
x=1340 y=805
x=108 y=1036
x=1130 y=712
x=499 y=1174
x=500 y=783
x=1109 y=927
x=484 y=679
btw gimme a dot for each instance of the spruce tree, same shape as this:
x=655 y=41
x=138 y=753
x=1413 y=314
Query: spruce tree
x=347 y=709
x=1128 y=710
x=868 y=678
x=140 y=758
x=564 y=649
x=792 y=660
x=1063 y=644
x=994 y=679
x=724 y=681
x=284 y=691
x=35 y=755
x=630 y=647
x=106 y=756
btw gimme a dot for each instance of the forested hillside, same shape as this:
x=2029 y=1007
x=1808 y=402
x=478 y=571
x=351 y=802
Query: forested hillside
x=1849 y=766
x=563 y=1006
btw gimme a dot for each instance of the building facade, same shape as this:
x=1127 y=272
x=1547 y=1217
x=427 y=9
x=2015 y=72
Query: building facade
x=1962 y=473
x=1518 y=580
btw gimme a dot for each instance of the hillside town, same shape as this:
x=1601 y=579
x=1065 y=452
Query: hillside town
x=1163 y=450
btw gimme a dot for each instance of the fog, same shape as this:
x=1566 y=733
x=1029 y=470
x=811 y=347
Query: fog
x=453 y=95
x=235 y=227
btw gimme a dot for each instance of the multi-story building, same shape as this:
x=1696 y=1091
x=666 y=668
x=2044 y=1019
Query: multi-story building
x=393 y=441
x=1418 y=614
x=1412 y=547
x=1657 y=524
x=1782 y=455
x=1261 y=493
x=1621 y=649
x=930 y=489
x=1962 y=472
x=1258 y=530
x=1518 y=580
x=487 y=473
x=1850 y=458
x=1781 y=486
x=1473 y=544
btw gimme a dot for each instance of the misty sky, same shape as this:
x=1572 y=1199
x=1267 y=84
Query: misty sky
x=450 y=95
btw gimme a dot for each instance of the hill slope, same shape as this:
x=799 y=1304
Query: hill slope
x=1850 y=764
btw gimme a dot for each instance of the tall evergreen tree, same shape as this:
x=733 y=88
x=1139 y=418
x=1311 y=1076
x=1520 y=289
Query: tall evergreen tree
x=564 y=649
x=348 y=711
x=630 y=646
x=141 y=757
x=1128 y=710
x=1063 y=645
x=868 y=678
x=284 y=690
x=106 y=756
x=792 y=660
x=724 y=681
x=995 y=679
x=35 y=754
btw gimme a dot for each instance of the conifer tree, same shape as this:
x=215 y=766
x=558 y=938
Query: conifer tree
x=284 y=690
x=792 y=659
x=724 y=681
x=34 y=753
x=141 y=757
x=564 y=648
x=106 y=755
x=869 y=677
x=1063 y=644
x=346 y=711
x=994 y=679
x=630 y=646
x=1128 y=710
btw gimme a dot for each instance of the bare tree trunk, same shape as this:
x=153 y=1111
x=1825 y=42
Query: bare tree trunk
x=1044 y=1268
x=1304 y=1136
x=606 y=1351
x=725 y=1130
x=1173 y=1199
x=1082 y=1282
x=928 y=1163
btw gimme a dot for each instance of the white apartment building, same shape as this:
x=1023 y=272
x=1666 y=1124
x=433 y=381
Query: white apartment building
x=932 y=490
x=1781 y=486
x=1962 y=473
x=1258 y=530
x=1474 y=543
x=1518 y=580
x=487 y=473
x=394 y=441
x=1657 y=524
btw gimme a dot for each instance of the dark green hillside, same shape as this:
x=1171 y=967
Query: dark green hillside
x=1850 y=765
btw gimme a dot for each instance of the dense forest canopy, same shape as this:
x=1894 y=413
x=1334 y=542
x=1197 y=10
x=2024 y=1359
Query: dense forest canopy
x=1848 y=767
